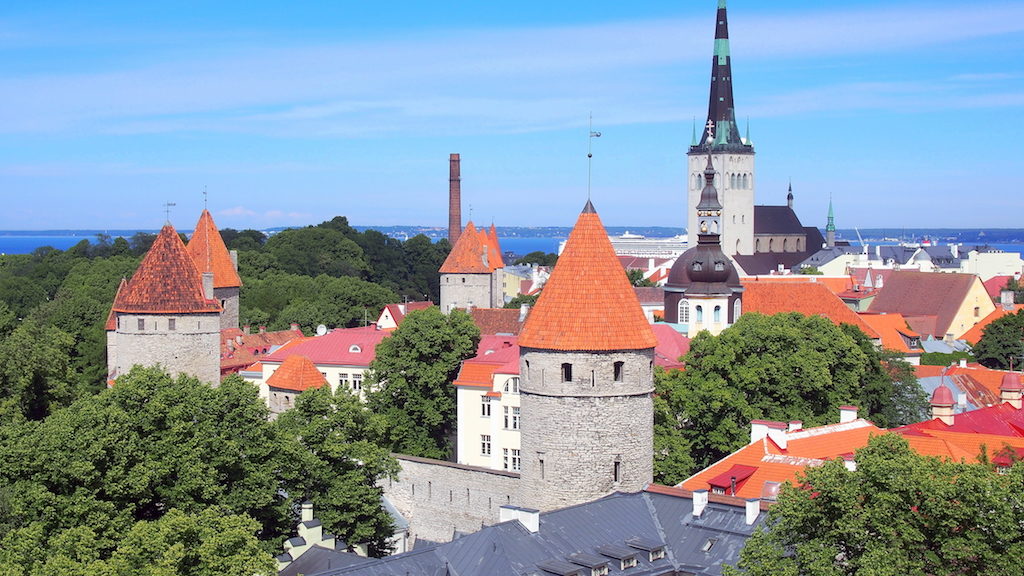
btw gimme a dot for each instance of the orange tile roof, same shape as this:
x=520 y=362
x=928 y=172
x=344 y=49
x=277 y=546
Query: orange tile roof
x=468 y=254
x=296 y=373
x=587 y=303
x=892 y=328
x=166 y=282
x=807 y=298
x=492 y=237
x=497 y=320
x=111 y=323
x=211 y=255
x=238 y=349
x=973 y=335
x=836 y=284
x=914 y=293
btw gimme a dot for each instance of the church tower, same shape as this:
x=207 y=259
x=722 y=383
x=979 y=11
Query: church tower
x=211 y=256
x=732 y=156
x=830 y=227
x=703 y=290
x=587 y=374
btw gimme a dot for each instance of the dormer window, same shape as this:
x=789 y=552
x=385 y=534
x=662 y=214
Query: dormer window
x=719 y=266
x=655 y=550
x=698 y=266
x=354 y=349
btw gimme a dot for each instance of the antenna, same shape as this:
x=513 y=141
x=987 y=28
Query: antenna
x=205 y=198
x=167 y=210
x=590 y=155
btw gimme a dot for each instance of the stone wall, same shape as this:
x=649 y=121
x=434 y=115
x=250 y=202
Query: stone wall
x=439 y=498
x=191 y=347
x=228 y=298
x=461 y=290
x=587 y=437
x=737 y=202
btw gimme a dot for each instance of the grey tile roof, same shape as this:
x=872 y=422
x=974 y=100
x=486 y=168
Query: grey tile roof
x=777 y=220
x=598 y=531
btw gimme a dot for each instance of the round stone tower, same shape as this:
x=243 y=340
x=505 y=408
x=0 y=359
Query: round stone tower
x=587 y=375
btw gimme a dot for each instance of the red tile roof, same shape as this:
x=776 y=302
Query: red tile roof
x=587 y=303
x=807 y=298
x=994 y=286
x=296 y=373
x=239 y=350
x=211 y=255
x=893 y=330
x=671 y=347
x=913 y=293
x=495 y=355
x=166 y=282
x=495 y=252
x=345 y=347
x=836 y=284
x=973 y=335
x=474 y=253
x=497 y=320
x=399 y=310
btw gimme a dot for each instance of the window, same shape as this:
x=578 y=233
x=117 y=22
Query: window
x=142 y=324
x=515 y=417
x=617 y=471
x=511 y=417
x=324 y=374
x=737 y=309
x=485 y=444
x=485 y=406
x=700 y=313
x=684 y=311
x=354 y=349
x=977 y=311
x=709 y=545
x=540 y=464
x=343 y=381
x=566 y=372
x=171 y=324
x=517 y=461
x=357 y=382
x=717 y=314
x=512 y=385
x=617 y=370
x=504 y=458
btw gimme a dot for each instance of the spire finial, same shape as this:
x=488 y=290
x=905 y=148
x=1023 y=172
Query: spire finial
x=693 y=133
x=205 y=198
x=167 y=210
x=590 y=155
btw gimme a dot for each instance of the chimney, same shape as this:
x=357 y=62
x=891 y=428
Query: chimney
x=524 y=310
x=1011 y=390
x=849 y=462
x=1006 y=299
x=246 y=328
x=942 y=404
x=759 y=429
x=528 y=517
x=700 y=502
x=454 y=199
x=847 y=414
x=795 y=425
x=294 y=327
x=307 y=511
x=234 y=259
x=263 y=329
x=208 y=285
x=963 y=362
x=753 y=507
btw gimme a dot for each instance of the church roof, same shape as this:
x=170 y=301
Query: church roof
x=778 y=220
x=587 y=303
x=296 y=373
x=474 y=253
x=166 y=282
x=211 y=255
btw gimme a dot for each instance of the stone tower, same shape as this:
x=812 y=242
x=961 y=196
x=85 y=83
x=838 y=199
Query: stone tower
x=703 y=290
x=732 y=156
x=211 y=255
x=586 y=365
x=471 y=275
x=166 y=314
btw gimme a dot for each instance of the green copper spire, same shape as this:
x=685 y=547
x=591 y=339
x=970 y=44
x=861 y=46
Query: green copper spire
x=831 y=226
x=693 y=133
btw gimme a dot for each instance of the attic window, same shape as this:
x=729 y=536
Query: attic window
x=698 y=266
x=354 y=349
x=719 y=266
x=709 y=545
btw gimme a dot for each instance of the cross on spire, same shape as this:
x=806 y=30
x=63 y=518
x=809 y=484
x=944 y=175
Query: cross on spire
x=710 y=126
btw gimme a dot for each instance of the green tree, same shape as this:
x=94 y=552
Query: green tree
x=636 y=278
x=243 y=240
x=672 y=451
x=944 y=359
x=35 y=371
x=810 y=271
x=411 y=380
x=316 y=250
x=539 y=258
x=423 y=259
x=340 y=465
x=898 y=514
x=1002 y=342
x=518 y=301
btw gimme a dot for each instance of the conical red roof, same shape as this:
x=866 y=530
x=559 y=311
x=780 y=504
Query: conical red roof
x=473 y=253
x=166 y=282
x=587 y=303
x=296 y=373
x=111 y=323
x=211 y=255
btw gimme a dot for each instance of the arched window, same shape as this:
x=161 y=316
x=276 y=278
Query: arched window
x=737 y=309
x=785 y=244
x=771 y=244
x=684 y=311
x=717 y=315
x=757 y=245
x=700 y=313
x=746 y=181
x=732 y=180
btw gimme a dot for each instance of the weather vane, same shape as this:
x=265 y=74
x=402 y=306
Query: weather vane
x=205 y=198
x=167 y=210
x=590 y=155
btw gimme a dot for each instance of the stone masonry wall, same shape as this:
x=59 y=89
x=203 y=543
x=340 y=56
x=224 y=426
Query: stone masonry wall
x=576 y=436
x=193 y=347
x=461 y=290
x=229 y=300
x=440 y=497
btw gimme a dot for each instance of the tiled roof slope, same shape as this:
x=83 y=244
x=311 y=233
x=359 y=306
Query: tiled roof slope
x=496 y=260
x=211 y=255
x=166 y=281
x=494 y=355
x=345 y=347
x=893 y=328
x=238 y=349
x=974 y=334
x=587 y=303
x=296 y=373
x=467 y=256
x=807 y=298
x=671 y=347
x=497 y=320
x=914 y=293
x=778 y=220
x=995 y=285
x=111 y=323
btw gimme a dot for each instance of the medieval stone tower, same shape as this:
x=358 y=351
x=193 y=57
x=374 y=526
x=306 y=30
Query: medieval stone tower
x=586 y=365
x=211 y=255
x=732 y=155
x=471 y=276
x=166 y=315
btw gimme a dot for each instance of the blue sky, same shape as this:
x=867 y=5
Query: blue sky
x=909 y=114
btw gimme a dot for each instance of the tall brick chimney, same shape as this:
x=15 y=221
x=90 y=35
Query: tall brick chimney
x=454 y=200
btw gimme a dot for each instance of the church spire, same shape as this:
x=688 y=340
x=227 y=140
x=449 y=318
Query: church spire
x=830 y=228
x=721 y=110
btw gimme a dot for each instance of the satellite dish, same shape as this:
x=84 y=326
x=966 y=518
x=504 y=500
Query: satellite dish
x=321 y=330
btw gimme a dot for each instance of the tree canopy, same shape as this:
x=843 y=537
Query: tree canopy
x=897 y=514
x=1002 y=343
x=783 y=367
x=411 y=380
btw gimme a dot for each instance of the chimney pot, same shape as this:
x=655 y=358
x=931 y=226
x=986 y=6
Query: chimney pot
x=963 y=362
x=307 y=511
x=528 y=517
x=246 y=328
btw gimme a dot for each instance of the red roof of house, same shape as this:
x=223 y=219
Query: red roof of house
x=994 y=286
x=239 y=350
x=671 y=347
x=399 y=310
x=859 y=277
x=296 y=373
x=893 y=330
x=211 y=255
x=587 y=303
x=807 y=298
x=345 y=347
x=166 y=282
x=973 y=335
x=497 y=320
x=111 y=323
x=836 y=284
x=474 y=253
x=494 y=355
x=913 y=293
